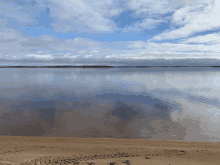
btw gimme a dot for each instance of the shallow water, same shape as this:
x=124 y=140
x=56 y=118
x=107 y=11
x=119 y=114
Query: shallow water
x=152 y=103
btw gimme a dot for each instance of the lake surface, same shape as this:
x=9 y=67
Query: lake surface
x=148 y=103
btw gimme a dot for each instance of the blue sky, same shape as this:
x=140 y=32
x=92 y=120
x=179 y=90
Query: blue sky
x=110 y=32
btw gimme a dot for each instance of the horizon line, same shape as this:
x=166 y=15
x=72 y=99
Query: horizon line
x=94 y=66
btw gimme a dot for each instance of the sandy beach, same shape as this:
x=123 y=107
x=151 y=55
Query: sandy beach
x=105 y=151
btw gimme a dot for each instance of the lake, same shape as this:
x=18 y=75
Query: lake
x=159 y=103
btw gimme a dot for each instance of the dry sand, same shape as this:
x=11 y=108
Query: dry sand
x=105 y=151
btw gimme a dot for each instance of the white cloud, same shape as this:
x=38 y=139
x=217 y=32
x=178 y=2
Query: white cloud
x=175 y=50
x=9 y=34
x=190 y=2
x=193 y=19
x=10 y=10
x=24 y=14
x=73 y=44
x=83 y=16
x=160 y=6
x=10 y=42
x=150 y=23
x=3 y=23
x=37 y=42
x=41 y=57
x=154 y=6
x=137 y=44
x=68 y=16
x=94 y=51
x=213 y=38
x=130 y=28
x=115 y=12
x=94 y=16
x=181 y=47
x=17 y=47
x=147 y=23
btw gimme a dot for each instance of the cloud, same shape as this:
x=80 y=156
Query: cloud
x=16 y=47
x=175 y=50
x=213 y=39
x=86 y=16
x=192 y=19
x=83 y=16
x=72 y=45
x=147 y=23
x=67 y=16
x=17 y=13
x=154 y=6
x=150 y=23
x=14 y=11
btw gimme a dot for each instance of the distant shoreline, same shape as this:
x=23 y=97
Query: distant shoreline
x=96 y=138
x=60 y=66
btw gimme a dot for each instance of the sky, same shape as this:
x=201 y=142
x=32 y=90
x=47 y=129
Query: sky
x=110 y=32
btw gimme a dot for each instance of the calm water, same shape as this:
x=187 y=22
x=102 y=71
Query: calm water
x=148 y=103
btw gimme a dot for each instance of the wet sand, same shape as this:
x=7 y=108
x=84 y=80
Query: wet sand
x=19 y=150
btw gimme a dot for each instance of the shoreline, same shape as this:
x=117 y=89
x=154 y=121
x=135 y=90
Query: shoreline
x=19 y=150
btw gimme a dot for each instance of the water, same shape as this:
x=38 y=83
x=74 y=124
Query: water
x=147 y=103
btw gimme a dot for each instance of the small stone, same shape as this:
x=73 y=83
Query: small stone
x=112 y=163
